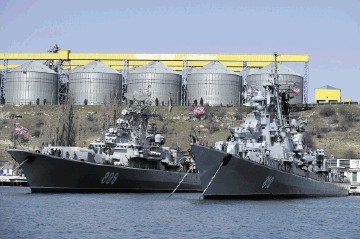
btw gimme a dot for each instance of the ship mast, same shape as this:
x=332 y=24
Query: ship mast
x=276 y=92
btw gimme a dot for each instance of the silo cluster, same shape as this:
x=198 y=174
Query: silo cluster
x=31 y=83
x=157 y=81
x=94 y=84
x=290 y=81
x=215 y=84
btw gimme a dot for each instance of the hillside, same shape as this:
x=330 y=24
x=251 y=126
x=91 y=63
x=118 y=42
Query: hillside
x=334 y=128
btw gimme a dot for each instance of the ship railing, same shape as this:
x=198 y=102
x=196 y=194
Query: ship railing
x=283 y=164
x=270 y=162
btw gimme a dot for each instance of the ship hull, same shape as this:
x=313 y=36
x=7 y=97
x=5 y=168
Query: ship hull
x=53 y=174
x=245 y=179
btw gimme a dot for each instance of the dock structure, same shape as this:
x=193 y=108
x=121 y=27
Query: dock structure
x=13 y=181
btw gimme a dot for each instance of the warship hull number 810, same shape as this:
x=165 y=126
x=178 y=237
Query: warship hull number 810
x=265 y=156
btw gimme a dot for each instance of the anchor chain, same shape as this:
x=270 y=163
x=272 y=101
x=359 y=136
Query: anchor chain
x=202 y=195
x=21 y=164
x=180 y=182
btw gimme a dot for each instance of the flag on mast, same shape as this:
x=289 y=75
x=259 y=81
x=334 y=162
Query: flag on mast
x=21 y=130
x=297 y=90
x=199 y=110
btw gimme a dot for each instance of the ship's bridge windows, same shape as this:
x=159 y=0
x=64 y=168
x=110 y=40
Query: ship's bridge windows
x=344 y=163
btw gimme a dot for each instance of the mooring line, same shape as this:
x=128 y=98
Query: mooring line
x=21 y=164
x=180 y=182
x=202 y=195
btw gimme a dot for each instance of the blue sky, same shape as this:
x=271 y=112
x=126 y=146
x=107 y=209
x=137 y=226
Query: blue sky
x=329 y=31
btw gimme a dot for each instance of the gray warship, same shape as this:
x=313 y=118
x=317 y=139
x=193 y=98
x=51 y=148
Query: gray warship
x=130 y=158
x=265 y=157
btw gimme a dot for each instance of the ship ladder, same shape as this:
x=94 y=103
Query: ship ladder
x=180 y=182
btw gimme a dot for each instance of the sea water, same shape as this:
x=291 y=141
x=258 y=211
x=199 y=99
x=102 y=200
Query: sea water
x=153 y=215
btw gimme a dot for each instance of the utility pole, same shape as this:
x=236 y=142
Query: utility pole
x=2 y=81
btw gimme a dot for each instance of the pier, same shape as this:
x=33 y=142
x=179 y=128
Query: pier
x=13 y=181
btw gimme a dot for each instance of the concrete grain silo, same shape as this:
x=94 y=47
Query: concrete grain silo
x=31 y=83
x=289 y=81
x=156 y=81
x=94 y=84
x=216 y=84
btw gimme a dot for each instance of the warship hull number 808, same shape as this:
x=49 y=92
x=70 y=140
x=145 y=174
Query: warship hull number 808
x=130 y=158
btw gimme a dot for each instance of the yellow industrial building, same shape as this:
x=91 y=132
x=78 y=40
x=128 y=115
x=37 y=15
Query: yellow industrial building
x=327 y=94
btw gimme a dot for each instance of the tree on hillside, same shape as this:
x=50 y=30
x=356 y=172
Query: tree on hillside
x=115 y=105
x=65 y=130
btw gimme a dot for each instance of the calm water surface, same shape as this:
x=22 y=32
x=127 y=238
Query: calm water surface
x=27 y=215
